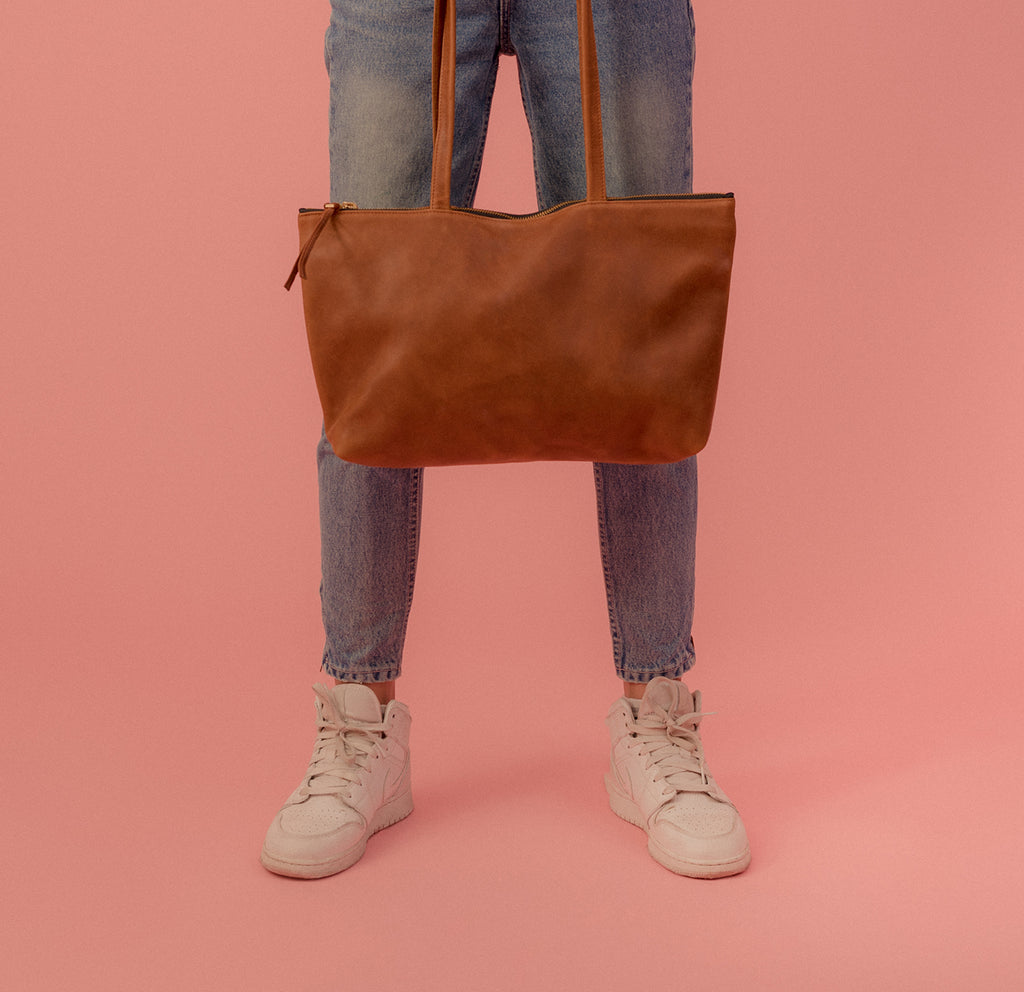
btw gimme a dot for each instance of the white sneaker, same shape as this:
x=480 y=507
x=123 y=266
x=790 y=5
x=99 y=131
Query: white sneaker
x=660 y=782
x=357 y=783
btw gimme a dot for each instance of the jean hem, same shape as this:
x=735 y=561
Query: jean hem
x=381 y=675
x=642 y=678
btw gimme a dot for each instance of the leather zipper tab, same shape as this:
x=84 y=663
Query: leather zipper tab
x=299 y=268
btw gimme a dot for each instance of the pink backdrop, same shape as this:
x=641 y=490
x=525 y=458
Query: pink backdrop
x=860 y=571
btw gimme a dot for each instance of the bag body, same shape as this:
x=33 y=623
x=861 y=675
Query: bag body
x=589 y=331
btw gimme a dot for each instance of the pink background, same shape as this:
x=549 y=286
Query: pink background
x=861 y=546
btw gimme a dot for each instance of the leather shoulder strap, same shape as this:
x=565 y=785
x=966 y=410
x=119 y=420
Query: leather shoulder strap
x=443 y=103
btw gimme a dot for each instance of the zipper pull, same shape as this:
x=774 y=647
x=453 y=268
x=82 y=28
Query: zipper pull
x=299 y=268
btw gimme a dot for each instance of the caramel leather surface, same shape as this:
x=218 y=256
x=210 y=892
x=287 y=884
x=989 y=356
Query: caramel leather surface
x=590 y=332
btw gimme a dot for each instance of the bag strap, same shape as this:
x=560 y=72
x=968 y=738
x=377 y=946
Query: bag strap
x=590 y=93
x=443 y=102
x=443 y=87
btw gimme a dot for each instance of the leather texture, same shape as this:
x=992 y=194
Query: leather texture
x=591 y=331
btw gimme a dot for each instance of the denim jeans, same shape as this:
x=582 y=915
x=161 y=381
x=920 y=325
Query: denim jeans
x=378 y=55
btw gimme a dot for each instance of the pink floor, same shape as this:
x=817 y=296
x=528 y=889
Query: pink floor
x=860 y=566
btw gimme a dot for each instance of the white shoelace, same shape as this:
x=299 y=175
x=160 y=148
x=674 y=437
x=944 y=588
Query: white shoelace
x=673 y=745
x=340 y=753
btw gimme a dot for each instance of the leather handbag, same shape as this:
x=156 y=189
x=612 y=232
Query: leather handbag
x=591 y=331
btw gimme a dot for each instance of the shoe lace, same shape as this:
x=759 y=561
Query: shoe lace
x=672 y=743
x=340 y=753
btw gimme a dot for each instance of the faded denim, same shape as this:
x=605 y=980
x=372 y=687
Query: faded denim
x=378 y=58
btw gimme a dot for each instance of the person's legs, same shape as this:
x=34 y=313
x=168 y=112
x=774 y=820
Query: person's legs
x=357 y=782
x=379 y=60
x=647 y=520
x=659 y=778
x=647 y=513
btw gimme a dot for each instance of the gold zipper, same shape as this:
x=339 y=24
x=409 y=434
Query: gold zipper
x=347 y=205
x=329 y=209
x=611 y=199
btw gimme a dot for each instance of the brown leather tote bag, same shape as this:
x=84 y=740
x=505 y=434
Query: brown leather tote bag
x=590 y=331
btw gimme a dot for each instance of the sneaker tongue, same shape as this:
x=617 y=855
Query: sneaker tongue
x=356 y=703
x=665 y=698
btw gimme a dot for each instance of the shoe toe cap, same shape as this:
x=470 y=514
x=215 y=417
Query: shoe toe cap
x=314 y=829
x=699 y=830
x=699 y=816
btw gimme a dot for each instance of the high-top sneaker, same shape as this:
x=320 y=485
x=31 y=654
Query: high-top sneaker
x=357 y=783
x=660 y=781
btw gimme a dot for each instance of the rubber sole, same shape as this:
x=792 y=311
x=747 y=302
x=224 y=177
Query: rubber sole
x=389 y=814
x=624 y=807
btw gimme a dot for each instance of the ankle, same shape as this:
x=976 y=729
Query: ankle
x=384 y=691
x=636 y=690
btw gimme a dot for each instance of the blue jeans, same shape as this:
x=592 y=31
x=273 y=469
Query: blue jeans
x=378 y=55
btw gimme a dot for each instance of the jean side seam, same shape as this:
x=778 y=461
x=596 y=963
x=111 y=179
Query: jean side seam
x=524 y=96
x=505 y=45
x=412 y=546
x=478 y=156
x=609 y=582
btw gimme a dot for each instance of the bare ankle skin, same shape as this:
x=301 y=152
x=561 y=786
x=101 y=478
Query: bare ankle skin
x=384 y=691
x=634 y=690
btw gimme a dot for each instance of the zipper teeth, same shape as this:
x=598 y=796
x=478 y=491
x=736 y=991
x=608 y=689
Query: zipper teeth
x=538 y=213
x=505 y=216
x=611 y=199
